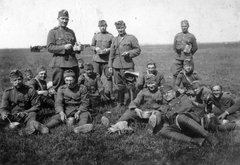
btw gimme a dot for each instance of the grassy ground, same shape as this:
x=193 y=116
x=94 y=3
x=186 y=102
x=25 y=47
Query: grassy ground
x=214 y=62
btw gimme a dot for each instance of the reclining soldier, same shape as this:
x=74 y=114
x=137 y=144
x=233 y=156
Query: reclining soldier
x=72 y=105
x=184 y=123
x=150 y=74
x=40 y=85
x=94 y=86
x=143 y=107
x=20 y=104
x=224 y=111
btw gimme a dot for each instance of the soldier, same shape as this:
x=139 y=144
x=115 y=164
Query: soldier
x=40 y=85
x=183 y=83
x=28 y=75
x=81 y=66
x=184 y=46
x=60 y=42
x=144 y=106
x=20 y=103
x=94 y=85
x=72 y=105
x=149 y=75
x=123 y=49
x=225 y=108
x=184 y=124
x=101 y=43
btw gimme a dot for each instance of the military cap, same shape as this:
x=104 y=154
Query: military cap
x=102 y=23
x=88 y=66
x=63 y=13
x=185 y=22
x=28 y=72
x=166 y=88
x=188 y=62
x=119 y=24
x=41 y=68
x=150 y=61
x=196 y=84
x=15 y=74
x=68 y=73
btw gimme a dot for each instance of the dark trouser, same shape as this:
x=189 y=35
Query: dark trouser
x=57 y=76
x=102 y=67
x=186 y=129
x=126 y=85
x=132 y=115
x=176 y=67
x=31 y=116
x=47 y=102
x=84 y=118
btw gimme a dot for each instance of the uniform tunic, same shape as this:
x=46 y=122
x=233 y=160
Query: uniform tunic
x=24 y=99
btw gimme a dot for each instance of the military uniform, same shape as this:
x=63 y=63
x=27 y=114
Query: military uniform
x=62 y=59
x=21 y=100
x=120 y=64
x=41 y=85
x=186 y=80
x=225 y=104
x=146 y=101
x=70 y=101
x=94 y=86
x=179 y=44
x=146 y=77
x=184 y=124
x=100 y=60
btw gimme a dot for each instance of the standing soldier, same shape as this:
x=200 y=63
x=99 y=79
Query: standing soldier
x=60 y=43
x=72 y=104
x=20 y=104
x=184 y=46
x=101 y=43
x=123 y=49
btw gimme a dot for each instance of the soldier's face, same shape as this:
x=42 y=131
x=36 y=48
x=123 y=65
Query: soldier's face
x=63 y=21
x=151 y=68
x=80 y=64
x=103 y=28
x=42 y=75
x=217 y=91
x=70 y=81
x=152 y=86
x=89 y=71
x=197 y=90
x=188 y=68
x=29 y=76
x=121 y=30
x=169 y=95
x=17 y=82
x=184 y=27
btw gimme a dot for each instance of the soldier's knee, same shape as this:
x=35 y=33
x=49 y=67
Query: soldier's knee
x=182 y=118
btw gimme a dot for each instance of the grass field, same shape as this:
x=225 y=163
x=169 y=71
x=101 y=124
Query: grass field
x=214 y=62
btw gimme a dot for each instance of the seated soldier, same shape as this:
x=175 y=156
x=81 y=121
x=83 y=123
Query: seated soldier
x=143 y=107
x=184 y=123
x=94 y=86
x=40 y=85
x=28 y=75
x=81 y=66
x=20 y=104
x=183 y=83
x=225 y=108
x=72 y=103
x=149 y=75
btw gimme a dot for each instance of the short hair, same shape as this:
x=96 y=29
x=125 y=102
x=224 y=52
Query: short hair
x=185 y=21
x=217 y=85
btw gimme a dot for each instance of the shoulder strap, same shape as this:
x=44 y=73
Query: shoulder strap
x=187 y=78
x=39 y=83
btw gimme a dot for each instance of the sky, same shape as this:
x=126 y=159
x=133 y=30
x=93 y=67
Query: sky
x=27 y=22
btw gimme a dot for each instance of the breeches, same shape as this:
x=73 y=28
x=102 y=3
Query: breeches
x=100 y=68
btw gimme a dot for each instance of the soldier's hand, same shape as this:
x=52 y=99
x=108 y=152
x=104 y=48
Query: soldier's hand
x=222 y=116
x=125 y=54
x=45 y=93
x=181 y=90
x=68 y=46
x=139 y=112
x=77 y=115
x=97 y=49
x=63 y=116
x=21 y=114
x=110 y=69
